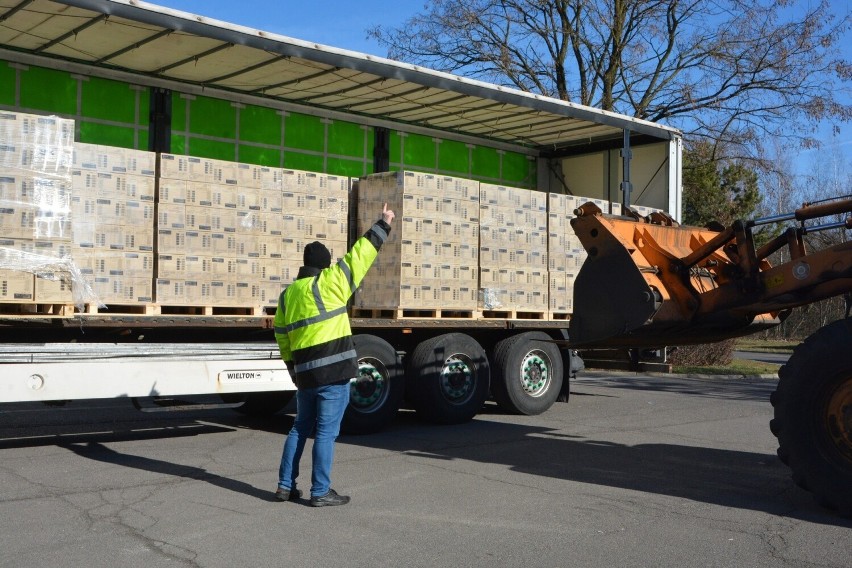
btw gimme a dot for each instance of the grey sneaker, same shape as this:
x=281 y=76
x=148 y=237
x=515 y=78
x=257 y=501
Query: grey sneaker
x=330 y=499
x=288 y=494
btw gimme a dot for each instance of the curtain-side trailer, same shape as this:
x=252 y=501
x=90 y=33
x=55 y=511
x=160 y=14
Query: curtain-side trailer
x=138 y=76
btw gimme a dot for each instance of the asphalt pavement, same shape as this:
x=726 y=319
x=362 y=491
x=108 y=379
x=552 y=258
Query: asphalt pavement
x=634 y=471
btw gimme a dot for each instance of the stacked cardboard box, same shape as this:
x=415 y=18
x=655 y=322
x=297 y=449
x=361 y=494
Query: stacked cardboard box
x=566 y=253
x=113 y=229
x=35 y=202
x=232 y=234
x=430 y=260
x=513 y=249
x=315 y=207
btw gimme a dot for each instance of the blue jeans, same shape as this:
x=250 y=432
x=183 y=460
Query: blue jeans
x=320 y=411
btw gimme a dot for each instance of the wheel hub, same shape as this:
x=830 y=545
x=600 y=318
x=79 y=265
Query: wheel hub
x=535 y=374
x=839 y=418
x=457 y=379
x=368 y=390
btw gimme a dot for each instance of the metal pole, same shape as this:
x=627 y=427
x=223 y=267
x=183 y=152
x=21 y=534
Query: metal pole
x=626 y=186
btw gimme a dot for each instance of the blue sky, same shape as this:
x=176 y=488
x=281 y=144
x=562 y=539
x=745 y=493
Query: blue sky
x=337 y=23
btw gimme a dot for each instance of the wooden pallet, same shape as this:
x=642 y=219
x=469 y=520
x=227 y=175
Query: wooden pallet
x=161 y=310
x=410 y=313
x=33 y=309
x=560 y=315
x=515 y=314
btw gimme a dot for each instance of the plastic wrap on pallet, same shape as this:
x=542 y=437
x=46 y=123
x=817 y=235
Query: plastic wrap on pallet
x=36 y=157
x=53 y=268
x=491 y=299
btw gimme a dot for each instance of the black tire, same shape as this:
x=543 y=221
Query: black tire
x=449 y=375
x=376 y=394
x=528 y=373
x=813 y=406
x=260 y=403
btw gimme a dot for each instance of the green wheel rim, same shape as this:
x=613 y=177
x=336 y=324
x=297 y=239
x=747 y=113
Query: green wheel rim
x=369 y=390
x=535 y=373
x=458 y=379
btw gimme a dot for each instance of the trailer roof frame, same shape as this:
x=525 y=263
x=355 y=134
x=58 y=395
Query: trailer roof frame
x=155 y=45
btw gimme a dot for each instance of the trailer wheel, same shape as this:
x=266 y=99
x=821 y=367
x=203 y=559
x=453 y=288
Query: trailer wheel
x=450 y=375
x=376 y=393
x=813 y=416
x=528 y=373
x=260 y=403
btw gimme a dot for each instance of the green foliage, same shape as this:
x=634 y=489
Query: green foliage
x=714 y=190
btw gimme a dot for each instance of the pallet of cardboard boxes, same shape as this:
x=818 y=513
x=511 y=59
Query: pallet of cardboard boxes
x=101 y=226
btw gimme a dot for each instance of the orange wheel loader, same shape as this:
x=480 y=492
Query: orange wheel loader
x=649 y=282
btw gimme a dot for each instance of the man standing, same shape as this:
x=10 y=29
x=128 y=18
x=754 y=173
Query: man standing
x=315 y=339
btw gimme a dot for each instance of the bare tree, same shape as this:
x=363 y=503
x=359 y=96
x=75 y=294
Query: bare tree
x=829 y=178
x=734 y=71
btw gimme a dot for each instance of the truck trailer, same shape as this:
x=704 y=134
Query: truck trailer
x=142 y=94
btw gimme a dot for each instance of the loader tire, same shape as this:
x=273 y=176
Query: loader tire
x=813 y=416
x=449 y=377
x=528 y=373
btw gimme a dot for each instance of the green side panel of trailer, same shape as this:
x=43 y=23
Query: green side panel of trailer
x=7 y=84
x=261 y=125
x=260 y=155
x=485 y=162
x=108 y=135
x=304 y=132
x=179 y=105
x=518 y=170
x=177 y=145
x=300 y=161
x=344 y=167
x=215 y=149
x=453 y=157
x=48 y=90
x=108 y=100
x=419 y=152
x=212 y=117
x=142 y=142
x=346 y=139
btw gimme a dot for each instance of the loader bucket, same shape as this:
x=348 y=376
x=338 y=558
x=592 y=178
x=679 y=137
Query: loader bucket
x=611 y=298
x=637 y=288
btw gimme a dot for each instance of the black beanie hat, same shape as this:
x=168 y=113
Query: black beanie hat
x=317 y=255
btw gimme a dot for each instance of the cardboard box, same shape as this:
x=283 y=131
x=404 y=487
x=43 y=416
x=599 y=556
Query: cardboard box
x=197 y=242
x=171 y=292
x=140 y=187
x=174 y=166
x=223 y=244
x=171 y=266
x=198 y=293
x=172 y=191
x=48 y=290
x=16 y=286
x=171 y=216
x=17 y=222
x=199 y=193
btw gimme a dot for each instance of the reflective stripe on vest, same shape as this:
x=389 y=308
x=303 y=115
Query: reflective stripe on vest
x=345 y=268
x=308 y=321
x=323 y=361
